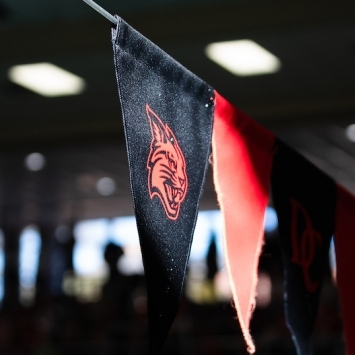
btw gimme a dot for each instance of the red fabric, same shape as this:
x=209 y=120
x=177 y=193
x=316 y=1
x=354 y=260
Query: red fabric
x=344 y=248
x=242 y=159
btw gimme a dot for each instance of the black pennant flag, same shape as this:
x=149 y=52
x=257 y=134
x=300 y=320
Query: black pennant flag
x=344 y=239
x=167 y=115
x=304 y=199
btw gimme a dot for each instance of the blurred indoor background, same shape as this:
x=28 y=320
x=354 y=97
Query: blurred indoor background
x=71 y=278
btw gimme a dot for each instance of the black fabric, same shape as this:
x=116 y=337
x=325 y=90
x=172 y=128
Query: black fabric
x=304 y=199
x=181 y=103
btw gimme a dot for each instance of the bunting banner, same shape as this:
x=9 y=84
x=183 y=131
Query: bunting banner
x=304 y=199
x=344 y=240
x=171 y=118
x=167 y=115
x=242 y=160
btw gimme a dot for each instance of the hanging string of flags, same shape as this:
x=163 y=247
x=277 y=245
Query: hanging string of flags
x=171 y=120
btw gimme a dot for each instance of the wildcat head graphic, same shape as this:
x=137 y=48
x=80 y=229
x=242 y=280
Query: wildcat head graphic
x=166 y=165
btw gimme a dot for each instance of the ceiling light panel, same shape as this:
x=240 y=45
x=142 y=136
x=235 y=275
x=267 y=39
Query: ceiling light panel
x=47 y=79
x=243 y=57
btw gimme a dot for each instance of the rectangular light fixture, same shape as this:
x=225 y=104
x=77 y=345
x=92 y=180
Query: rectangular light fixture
x=243 y=57
x=46 y=79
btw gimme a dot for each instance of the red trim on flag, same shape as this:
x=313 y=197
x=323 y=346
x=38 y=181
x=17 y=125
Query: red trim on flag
x=344 y=240
x=242 y=160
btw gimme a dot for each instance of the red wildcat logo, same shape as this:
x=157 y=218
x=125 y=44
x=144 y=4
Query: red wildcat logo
x=167 y=177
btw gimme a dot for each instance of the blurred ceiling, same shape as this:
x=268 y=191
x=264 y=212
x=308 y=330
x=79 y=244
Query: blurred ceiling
x=308 y=103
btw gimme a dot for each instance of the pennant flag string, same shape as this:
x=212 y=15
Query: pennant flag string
x=171 y=119
x=102 y=11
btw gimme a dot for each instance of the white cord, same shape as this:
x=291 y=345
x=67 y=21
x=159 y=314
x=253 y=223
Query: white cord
x=102 y=11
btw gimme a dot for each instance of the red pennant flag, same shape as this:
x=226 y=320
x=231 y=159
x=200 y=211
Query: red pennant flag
x=242 y=160
x=344 y=248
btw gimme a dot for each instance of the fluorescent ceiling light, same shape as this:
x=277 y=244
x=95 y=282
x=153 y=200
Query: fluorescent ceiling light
x=243 y=58
x=350 y=132
x=46 y=79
